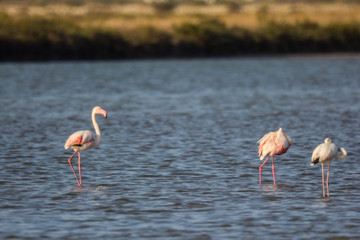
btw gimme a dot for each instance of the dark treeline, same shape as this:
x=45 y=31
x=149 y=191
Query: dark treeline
x=41 y=39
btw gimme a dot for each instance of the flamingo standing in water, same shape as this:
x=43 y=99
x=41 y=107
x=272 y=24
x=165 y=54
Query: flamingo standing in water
x=82 y=140
x=325 y=153
x=273 y=143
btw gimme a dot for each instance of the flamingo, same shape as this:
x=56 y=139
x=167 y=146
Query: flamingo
x=273 y=143
x=325 y=153
x=82 y=140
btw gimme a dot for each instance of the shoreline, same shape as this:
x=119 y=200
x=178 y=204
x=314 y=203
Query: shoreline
x=338 y=55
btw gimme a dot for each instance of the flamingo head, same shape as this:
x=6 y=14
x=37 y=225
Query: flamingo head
x=327 y=140
x=99 y=110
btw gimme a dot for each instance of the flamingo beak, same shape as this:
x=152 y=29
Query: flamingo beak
x=103 y=112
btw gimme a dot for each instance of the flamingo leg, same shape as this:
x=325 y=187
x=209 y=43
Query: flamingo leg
x=322 y=169
x=327 y=180
x=79 y=168
x=273 y=169
x=69 y=161
x=260 y=168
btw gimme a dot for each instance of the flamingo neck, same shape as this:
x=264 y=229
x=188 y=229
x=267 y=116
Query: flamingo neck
x=97 y=129
x=343 y=155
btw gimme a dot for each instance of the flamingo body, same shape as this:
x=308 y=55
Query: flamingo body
x=325 y=153
x=271 y=144
x=82 y=140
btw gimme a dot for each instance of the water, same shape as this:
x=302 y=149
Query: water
x=178 y=157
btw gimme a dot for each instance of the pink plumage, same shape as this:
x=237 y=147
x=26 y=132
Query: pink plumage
x=271 y=144
x=82 y=140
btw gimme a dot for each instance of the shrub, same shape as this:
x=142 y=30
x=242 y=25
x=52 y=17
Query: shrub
x=55 y=38
x=209 y=37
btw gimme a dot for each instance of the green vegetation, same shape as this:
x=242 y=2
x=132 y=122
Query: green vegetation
x=43 y=38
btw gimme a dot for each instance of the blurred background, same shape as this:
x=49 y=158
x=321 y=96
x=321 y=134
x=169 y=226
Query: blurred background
x=124 y=29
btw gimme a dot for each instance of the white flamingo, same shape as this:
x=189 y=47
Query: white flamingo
x=273 y=143
x=325 y=153
x=82 y=140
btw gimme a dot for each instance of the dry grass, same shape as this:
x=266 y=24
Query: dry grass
x=114 y=31
x=129 y=16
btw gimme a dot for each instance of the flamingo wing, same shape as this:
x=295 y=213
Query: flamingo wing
x=265 y=138
x=282 y=143
x=323 y=153
x=80 y=138
x=266 y=144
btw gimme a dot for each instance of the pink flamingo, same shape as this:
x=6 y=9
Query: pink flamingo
x=273 y=143
x=325 y=153
x=82 y=140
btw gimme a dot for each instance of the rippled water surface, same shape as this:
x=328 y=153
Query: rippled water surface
x=178 y=157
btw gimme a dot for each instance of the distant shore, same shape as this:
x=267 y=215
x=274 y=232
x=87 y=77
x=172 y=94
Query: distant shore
x=129 y=31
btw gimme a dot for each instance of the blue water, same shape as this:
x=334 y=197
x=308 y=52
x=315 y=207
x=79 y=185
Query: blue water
x=178 y=157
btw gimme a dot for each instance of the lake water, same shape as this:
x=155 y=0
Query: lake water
x=178 y=157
